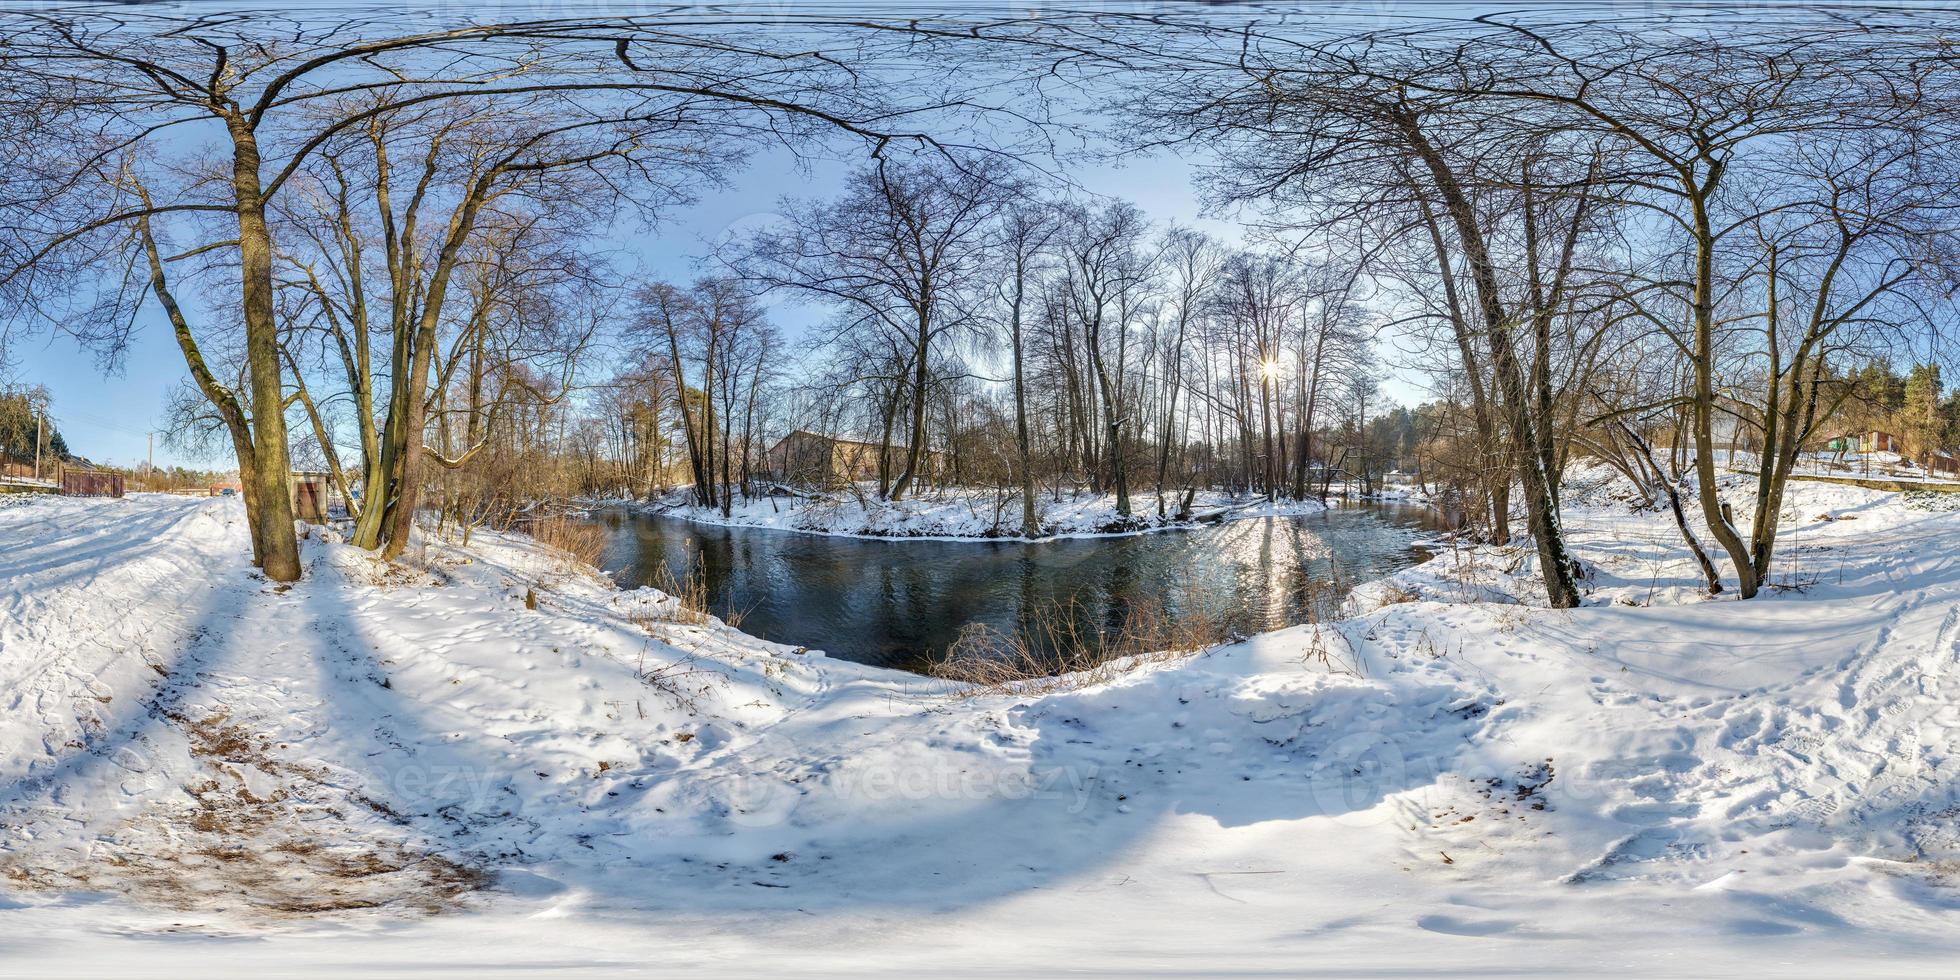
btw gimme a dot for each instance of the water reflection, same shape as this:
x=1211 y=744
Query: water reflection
x=899 y=603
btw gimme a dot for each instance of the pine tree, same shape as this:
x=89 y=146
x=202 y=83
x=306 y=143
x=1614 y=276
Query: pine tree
x=1921 y=423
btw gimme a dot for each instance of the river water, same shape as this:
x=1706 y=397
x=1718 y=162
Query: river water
x=900 y=603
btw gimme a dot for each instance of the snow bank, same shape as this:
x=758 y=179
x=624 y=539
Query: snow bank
x=1451 y=780
x=972 y=515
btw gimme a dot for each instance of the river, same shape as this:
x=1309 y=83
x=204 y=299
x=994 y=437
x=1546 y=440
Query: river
x=900 y=603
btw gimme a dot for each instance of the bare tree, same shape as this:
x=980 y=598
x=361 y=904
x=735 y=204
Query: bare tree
x=1699 y=114
x=1025 y=234
x=1105 y=271
x=900 y=254
x=1192 y=261
x=109 y=94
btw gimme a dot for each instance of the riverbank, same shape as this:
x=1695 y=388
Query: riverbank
x=393 y=769
x=904 y=602
x=970 y=515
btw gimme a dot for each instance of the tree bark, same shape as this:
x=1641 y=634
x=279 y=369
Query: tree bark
x=1703 y=399
x=1024 y=453
x=269 y=472
x=1541 y=506
x=921 y=374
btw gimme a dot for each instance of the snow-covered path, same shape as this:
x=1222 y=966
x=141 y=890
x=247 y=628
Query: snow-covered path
x=407 y=770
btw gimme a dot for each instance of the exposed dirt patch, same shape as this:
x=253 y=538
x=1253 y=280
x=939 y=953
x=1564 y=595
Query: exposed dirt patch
x=255 y=835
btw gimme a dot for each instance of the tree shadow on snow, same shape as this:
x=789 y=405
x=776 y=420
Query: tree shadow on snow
x=1066 y=793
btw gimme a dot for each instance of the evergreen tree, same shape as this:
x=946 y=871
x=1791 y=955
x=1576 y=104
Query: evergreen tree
x=1921 y=423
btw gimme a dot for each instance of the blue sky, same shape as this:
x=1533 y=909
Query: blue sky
x=106 y=418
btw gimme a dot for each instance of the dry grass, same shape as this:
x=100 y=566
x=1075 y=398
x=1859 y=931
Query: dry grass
x=1058 y=649
x=690 y=592
x=682 y=682
x=581 y=542
x=1393 y=594
x=412 y=570
x=1321 y=655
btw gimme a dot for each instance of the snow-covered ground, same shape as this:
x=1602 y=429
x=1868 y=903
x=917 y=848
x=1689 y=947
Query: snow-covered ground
x=1400 y=493
x=408 y=771
x=959 y=515
x=1878 y=464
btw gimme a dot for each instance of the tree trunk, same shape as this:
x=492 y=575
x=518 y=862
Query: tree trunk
x=1113 y=426
x=694 y=463
x=921 y=373
x=1708 y=572
x=1496 y=479
x=269 y=473
x=1704 y=406
x=237 y=425
x=1541 y=505
x=1030 y=522
x=414 y=394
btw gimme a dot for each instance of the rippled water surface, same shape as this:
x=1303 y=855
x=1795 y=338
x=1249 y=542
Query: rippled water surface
x=899 y=603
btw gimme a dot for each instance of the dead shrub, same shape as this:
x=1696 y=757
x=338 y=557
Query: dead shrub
x=582 y=542
x=691 y=603
x=1057 y=647
x=1393 y=594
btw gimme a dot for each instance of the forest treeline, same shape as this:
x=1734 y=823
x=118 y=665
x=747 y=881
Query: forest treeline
x=980 y=335
x=390 y=251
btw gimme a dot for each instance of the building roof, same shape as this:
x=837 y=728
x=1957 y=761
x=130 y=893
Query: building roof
x=831 y=439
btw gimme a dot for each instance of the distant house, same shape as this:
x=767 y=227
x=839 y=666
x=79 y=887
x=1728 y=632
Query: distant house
x=807 y=458
x=811 y=459
x=1873 y=441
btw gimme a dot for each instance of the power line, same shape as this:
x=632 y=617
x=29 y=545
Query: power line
x=94 y=421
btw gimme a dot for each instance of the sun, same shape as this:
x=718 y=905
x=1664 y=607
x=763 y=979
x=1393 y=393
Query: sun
x=1269 y=369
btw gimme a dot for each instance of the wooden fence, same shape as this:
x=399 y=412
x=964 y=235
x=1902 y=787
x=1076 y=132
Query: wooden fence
x=91 y=483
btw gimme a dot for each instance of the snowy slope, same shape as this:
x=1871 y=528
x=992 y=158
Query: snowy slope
x=407 y=770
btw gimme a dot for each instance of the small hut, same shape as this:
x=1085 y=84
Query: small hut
x=310 y=495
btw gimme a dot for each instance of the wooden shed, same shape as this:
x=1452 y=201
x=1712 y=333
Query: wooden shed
x=310 y=494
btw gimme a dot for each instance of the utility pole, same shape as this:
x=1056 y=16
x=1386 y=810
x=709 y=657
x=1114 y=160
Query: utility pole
x=150 y=467
x=39 y=421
